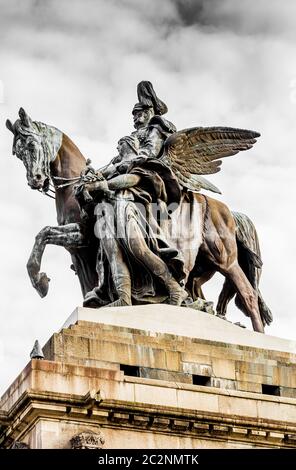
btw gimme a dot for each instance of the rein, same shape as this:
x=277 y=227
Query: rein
x=88 y=176
x=59 y=186
x=69 y=181
x=46 y=194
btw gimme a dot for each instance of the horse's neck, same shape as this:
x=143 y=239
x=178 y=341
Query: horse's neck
x=69 y=161
x=68 y=164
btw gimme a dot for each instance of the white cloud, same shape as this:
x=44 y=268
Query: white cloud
x=75 y=64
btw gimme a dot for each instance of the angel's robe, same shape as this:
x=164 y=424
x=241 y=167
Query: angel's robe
x=145 y=206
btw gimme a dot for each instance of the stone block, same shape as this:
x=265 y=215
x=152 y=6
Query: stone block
x=223 y=383
x=288 y=392
x=197 y=400
x=155 y=395
x=284 y=376
x=223 y=368
x=197 y=369
x=259 y=379
x=197 y=358
x=167 y=375
x=249 y=386
x=237 y=406
x=173 y=360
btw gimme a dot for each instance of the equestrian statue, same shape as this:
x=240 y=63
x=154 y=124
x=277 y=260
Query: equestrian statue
x=140 y=229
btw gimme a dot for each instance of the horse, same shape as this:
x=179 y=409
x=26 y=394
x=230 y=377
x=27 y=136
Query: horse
x=49 y=155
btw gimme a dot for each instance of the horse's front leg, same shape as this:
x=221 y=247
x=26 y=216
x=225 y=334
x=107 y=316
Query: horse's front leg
x=68 y=236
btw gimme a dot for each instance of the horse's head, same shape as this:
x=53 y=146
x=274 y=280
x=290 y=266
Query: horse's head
x=33 y=146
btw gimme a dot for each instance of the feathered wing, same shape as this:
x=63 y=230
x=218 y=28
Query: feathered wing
x=198 y=151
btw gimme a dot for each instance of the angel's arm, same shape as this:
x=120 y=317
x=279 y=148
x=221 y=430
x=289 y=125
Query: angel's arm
x=123 y=182
x=109 y=169
x=118 y=182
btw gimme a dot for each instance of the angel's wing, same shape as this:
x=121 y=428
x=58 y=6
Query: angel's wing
x=197 y=151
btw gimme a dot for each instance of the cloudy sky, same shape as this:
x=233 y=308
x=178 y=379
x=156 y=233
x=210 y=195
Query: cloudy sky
x=75 y=64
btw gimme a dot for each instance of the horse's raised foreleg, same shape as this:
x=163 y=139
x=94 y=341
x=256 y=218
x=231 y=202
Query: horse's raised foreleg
x=68 y=236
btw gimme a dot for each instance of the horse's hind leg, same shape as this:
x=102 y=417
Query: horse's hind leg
x=247 y=293
x=227 y=293
x=220 y=248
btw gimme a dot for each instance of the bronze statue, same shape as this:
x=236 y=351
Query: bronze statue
x=158 y=166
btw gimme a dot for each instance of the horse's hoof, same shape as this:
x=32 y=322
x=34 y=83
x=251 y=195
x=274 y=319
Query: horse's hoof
x=42 y=284
x=203 y=305
x=221 y=316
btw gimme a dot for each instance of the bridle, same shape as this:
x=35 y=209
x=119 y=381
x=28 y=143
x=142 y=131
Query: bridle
x=48 y=156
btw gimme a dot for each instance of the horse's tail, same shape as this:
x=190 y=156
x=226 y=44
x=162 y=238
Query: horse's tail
x=249 y=258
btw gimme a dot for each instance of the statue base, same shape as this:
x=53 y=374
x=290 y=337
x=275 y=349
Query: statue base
x=153 y=376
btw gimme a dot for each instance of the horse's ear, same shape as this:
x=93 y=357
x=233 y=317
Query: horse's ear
x=22 y=113
x=9 y=126
x=24 y=117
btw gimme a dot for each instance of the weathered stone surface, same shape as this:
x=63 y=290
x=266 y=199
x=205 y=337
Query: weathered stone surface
x=224 y=368
x=230 y=366
x=160 y=374
x=153 y=388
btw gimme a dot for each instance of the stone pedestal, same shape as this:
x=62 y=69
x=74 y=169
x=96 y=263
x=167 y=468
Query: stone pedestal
x=154 y=376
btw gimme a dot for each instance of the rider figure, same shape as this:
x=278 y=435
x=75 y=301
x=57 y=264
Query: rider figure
x=151 y=128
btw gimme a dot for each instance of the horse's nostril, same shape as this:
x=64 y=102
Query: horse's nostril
x=38 y=177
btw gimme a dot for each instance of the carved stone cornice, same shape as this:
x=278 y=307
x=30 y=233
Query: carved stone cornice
x=90 y=409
